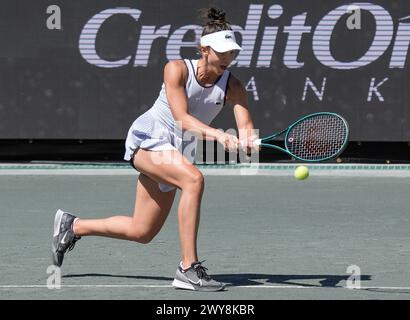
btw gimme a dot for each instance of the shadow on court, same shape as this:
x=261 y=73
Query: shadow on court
x=106 y=275
x=397 y=291
x=250 y=279
x=246 y=279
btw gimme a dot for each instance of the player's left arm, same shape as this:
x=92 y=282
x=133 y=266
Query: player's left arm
x=238 y=97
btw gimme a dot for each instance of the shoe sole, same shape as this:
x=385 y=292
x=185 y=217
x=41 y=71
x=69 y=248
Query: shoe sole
x=187 y=286
x=57 y=222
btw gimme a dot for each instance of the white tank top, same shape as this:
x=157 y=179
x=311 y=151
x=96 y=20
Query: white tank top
x=204 y=103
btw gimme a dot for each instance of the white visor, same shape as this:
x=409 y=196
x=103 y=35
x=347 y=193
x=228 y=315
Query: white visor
x=221 y=41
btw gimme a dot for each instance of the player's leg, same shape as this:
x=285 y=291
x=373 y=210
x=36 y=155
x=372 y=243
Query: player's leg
x=172 y=168
x=177 y=171
x=151 y=210
x=152 y=207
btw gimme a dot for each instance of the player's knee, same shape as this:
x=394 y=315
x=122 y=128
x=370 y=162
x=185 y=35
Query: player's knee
x=139 y=236
x=146 y=238
x=198 y=179
x=195 y=180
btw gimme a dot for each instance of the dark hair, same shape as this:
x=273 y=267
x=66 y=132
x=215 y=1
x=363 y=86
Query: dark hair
x=213 y=20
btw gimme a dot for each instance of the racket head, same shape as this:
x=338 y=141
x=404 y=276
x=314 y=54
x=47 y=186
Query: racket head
x=317 y=137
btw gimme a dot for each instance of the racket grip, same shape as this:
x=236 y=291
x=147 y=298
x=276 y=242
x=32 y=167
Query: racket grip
x=257 y=142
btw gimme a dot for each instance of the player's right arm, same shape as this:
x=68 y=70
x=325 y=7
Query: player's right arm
x=175 y=77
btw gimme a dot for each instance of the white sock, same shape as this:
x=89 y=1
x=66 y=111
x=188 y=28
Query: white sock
x=182 y=267
x=72 y=226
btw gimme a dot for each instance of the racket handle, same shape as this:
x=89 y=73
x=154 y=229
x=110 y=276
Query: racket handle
x=257 y=142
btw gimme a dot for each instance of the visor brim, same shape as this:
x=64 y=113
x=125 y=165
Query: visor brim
x=225 y=47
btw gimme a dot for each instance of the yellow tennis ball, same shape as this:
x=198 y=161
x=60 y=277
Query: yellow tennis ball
x=301 y=173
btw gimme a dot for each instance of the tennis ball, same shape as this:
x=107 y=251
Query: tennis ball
x=301 y=173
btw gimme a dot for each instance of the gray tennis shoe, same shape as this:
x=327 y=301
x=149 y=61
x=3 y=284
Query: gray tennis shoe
x=195 y=278
x=63 y=236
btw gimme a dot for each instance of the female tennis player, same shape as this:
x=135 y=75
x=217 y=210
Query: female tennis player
x=193 y=93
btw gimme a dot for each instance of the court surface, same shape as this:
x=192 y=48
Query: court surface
x=264 y=233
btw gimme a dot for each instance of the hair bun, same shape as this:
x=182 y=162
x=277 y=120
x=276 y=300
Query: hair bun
x=215 y=15
x=213 y=20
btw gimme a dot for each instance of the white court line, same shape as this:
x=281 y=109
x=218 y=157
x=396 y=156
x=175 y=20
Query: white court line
x=96 y=286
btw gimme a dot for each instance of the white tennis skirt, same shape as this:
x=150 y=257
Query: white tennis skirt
x=149 y=133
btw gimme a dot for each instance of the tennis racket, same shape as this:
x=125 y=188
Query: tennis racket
x=315 y=137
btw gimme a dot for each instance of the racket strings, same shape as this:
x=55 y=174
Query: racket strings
x=318 y=137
